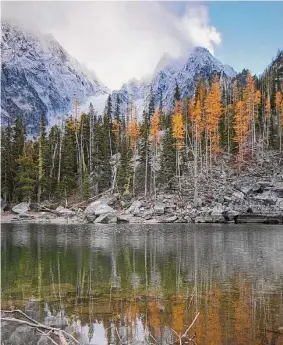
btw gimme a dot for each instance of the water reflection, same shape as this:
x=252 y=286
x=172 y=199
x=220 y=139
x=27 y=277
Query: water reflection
x=135 y=284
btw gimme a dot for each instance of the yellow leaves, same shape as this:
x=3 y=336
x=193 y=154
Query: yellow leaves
x=279 y=106
x=267 y=108
x=73 y=124
x=213 y=114
x=133 y=131
x=178 y=126
x=257 y=98
x=241 y=125
x=155 y=126
x=178 y=310
x=197 y=120
x=278 y=100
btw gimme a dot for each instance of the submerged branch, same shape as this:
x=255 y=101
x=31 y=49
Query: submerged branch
x=37 y=325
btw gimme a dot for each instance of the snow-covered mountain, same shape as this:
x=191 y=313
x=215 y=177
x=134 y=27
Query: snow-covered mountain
x=39 y=78
x=169 y=72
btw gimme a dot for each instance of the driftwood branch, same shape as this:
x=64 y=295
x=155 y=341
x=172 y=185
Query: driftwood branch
x=191 y=325
x=33 y=323
x=180 y=336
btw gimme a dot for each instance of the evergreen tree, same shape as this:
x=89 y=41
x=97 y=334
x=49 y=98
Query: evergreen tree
x=41 y=159
x=7 y=170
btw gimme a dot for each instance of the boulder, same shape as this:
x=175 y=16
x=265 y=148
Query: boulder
x=109 y=199
x=188 y=219
x=122 y=218
x=109 y=218
x=171 y=219
x=180 y=220
x=64 y=212
x=246 y=189
x=23 y=335
x=217 y=213
x=159 y=208
x=24 y=215
x=229 y=215
x=104 y=209
x=134 y=208
x=90 y=218
x=23 y=207
x=238 y=196
x=265 y=184
x=200 y=219
x=152 y=221
x=278 y=189
x=267 y=198
x=104 y=200
x=90 y=209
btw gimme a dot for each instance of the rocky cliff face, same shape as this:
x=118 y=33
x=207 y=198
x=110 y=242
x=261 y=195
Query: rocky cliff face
x=39 y=78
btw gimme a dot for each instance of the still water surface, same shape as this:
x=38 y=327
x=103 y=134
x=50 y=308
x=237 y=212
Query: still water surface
x=133 y=284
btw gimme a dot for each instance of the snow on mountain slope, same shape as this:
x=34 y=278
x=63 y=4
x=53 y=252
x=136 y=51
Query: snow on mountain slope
x=39 y=78
x=169 y=72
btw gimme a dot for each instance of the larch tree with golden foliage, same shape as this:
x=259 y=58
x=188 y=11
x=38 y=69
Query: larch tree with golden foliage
x=134 y=133
x=241 y=127
x=213 y=114
x=155 y=139
x=178 y=135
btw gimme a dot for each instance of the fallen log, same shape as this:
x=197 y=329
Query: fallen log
x=258 y=218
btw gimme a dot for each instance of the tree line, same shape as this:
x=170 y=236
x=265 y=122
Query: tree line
x=85 y=154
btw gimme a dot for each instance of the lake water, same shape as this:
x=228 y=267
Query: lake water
x=135 y=284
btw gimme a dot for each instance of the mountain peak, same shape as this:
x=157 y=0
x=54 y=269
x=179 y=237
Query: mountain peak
x=50 y=77
x=200 y=50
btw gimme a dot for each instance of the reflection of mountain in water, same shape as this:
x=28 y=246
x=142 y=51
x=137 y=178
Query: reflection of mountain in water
x=148 y=280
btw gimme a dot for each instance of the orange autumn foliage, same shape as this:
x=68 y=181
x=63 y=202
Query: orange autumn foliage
x=213 y=114
x=267 y=109
x=197 y=120
x=133 y=131
x=178 y=126
x=155 y=127
x=241 y=126
x=178 y=312
x=116 y=130
x=279 y=106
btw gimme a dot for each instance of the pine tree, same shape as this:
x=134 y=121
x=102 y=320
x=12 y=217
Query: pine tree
x=7 y=164
x=26 y=174
x=41 y=159
x=69 y=169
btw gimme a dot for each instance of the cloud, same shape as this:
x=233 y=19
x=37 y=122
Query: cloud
x=119 y=40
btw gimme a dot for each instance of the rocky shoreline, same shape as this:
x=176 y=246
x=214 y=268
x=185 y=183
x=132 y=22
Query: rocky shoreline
x=258 y=202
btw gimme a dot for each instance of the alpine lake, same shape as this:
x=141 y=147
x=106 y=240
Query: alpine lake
x=144 y=284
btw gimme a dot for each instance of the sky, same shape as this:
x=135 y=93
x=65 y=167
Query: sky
x=125 y=40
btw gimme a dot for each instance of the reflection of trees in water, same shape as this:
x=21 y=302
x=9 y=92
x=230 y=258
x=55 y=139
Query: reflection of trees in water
x=153 y=280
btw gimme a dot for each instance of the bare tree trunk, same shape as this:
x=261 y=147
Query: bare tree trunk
x=146 y=169
x=60 y=154
x=196 y=172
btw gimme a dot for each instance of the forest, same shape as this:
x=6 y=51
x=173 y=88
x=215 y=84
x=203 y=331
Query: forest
x=85 y=154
